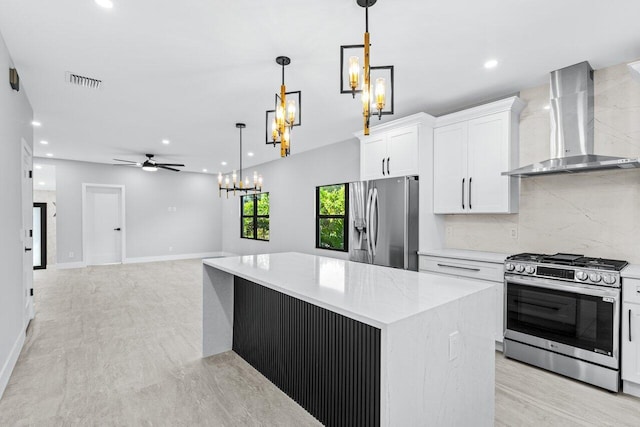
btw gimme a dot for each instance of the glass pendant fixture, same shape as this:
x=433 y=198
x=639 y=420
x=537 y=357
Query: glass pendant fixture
x=238 y=185
x=374 y=98
x=286 y=114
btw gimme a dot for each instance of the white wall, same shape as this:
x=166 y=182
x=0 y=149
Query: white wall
x=15 y=123
x=291 y=184
x=194 y=228
x=593 y=213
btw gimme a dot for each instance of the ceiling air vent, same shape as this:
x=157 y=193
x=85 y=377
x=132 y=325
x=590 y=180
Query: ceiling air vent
x=88 y=82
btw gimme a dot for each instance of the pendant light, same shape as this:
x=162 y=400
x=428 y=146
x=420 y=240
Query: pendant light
x=286 y=114
x=234 y=185
x=374 y=97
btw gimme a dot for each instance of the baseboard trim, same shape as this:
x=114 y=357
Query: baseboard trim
x=67 y=265
x=631 y=388
x=7 y=369
x=178 y=257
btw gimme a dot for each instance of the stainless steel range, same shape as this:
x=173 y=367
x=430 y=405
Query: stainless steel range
x=562 y=313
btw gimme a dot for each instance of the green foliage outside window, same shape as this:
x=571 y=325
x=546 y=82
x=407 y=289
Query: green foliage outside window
x=255 y=216
x=331 y=217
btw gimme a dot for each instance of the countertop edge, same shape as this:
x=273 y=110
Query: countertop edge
x=632 y=271
x=465 y=254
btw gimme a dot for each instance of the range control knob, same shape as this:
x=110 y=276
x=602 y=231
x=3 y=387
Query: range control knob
x=609 y=279
x=509 y=267
x=594 y=277
x=529 y=269
x=581 y=275
x=520 y=268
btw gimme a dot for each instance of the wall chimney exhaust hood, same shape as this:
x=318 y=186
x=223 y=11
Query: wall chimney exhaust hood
x=572 y=128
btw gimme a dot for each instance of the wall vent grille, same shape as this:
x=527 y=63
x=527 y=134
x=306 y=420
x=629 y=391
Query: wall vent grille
x=83 y=81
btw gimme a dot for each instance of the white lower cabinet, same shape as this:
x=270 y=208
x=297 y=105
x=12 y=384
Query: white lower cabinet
x=631 y=336
x=478 y=268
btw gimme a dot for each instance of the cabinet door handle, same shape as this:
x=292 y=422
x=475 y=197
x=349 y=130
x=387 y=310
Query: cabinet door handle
x=462 y=198
x=470 y=193
x=382 y=166
x=629 y=325
x=388 y=161
x=458 y=267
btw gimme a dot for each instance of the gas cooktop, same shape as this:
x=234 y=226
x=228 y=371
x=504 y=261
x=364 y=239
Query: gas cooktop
x=571 y=260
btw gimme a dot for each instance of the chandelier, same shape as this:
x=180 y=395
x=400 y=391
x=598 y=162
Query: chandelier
x=286 y=114
x=374 y=97
x=234 y=185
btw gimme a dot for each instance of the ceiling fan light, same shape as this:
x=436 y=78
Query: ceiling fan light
x=149 y=168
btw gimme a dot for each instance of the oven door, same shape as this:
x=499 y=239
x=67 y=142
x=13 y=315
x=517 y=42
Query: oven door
x=577 y=320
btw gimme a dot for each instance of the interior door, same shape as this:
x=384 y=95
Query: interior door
x=488 y=189
x=450 y=169
x=27 y=224
x=103 y=217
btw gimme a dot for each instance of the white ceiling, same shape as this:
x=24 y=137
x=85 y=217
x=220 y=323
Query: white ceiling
x=188 y=70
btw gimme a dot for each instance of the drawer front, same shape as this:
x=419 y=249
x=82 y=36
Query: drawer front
x=463 y=268
x=631 y=290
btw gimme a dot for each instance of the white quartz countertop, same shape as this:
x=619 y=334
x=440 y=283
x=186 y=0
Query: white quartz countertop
x=494 y=257
x=632 y=271
x=378 y=296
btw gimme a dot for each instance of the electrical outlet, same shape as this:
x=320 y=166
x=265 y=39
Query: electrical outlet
x=71 y=254
x=454 y=345
x=513 y=232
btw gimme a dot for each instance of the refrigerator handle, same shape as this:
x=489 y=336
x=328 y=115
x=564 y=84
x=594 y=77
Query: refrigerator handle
x=374 y=214
x=367 y=219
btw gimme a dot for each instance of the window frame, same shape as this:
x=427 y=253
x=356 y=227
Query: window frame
x=254 y=216
x=345 y=217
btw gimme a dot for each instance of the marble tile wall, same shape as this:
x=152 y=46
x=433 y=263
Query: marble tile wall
x=595 y=213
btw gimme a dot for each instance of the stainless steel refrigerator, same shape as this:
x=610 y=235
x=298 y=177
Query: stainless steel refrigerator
x=383 y=222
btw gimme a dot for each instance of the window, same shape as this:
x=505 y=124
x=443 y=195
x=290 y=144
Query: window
x=254 y=221
x=332 y=221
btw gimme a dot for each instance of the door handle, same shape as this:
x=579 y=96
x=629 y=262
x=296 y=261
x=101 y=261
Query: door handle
x=470 y=193
x=116 y=229
x=388 y=161
x=382 y=166
x=462 y=198
x=27 y=249
x=629 y=325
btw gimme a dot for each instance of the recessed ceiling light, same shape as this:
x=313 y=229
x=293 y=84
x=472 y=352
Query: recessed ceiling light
x=492 y=63
x=41 y=183
x=166 y=141
x=204 y=170
x=223 y=163
x=44 y=142
x=107 y=4
x=49 y=155
x=38 y=167
x=547 y=107
x=250 y=154
x=36 y=123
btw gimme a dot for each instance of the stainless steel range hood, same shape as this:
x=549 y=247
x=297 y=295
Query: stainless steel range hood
x=572 y=128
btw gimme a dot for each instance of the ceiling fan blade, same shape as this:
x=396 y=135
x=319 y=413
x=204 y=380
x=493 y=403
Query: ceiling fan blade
x=168 y=168
x=170 y=164
x=126 y=161
x=130 y=165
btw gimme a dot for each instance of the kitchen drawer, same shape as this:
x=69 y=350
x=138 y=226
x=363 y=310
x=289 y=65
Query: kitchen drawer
x=631 y=290
x=463 y=268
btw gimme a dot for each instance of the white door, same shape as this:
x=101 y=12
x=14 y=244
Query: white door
x=450 y=169
x=104 y=225
x=27 y=224
x=488 y=157
x=374 y=157
x=402 y=152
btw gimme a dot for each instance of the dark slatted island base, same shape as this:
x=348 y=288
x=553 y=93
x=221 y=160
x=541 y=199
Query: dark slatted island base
x=356 y=344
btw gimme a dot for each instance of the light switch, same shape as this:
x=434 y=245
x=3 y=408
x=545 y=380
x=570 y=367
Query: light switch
x=454 y=345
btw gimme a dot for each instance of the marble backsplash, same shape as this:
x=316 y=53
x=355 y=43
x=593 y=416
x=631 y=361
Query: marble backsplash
x=595 y=213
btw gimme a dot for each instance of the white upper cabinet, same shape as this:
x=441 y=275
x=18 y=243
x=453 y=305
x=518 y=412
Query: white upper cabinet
x=471 y=150
x=392 y=149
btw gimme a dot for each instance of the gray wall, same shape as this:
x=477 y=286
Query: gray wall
x=151 y=229
x=15 y=123
x=291 y=184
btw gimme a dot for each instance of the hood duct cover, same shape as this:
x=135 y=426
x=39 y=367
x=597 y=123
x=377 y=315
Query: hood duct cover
x=572 y=127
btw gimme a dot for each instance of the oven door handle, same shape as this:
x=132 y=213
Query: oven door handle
x=573 y=288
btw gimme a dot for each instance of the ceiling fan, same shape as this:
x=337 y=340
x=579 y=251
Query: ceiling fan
x=150 y=165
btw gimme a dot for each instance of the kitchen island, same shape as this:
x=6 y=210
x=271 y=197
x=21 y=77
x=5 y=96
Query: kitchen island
x=357 y=344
